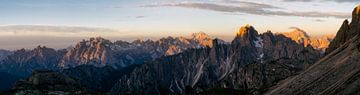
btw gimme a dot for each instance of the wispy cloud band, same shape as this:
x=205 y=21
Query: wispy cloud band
x=340 y=1
x=252 y=8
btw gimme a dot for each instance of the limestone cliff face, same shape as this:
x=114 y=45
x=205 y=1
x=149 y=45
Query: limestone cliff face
x=179 y=44
x=96 y=51
x=202 y=39
x=245 y=35
x=301 y=37
x=101 y=52
x=251 y=61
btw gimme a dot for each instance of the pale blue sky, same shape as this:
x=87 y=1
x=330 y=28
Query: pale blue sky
x=159 y=18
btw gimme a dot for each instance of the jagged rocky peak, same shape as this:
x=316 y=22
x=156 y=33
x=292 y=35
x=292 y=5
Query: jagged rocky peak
x=200 y=36
x=356 y=14
x=301 y=37
x=43 y=51
x=218 y=41
x=93 y=42
x=93 y=51
x=341 y=37
x=247 y=35
x=297 y=33
x=247 y=31
x=346 y=31
x=101 y=52
x=138 y=41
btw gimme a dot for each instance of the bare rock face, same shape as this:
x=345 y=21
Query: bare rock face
x=337 y=73
x=347 y=31
x=202 y=39
x=245 y=35
x=301 y=37
x=101 y=52
x=96 y=51
x=250 y=63
x=341 y=37
x=356 y=15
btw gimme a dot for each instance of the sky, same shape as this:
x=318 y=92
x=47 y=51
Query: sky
x=133 y=19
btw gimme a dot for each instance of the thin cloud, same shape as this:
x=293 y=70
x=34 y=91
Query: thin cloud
x=319 y=20
x=139 y=16
x=299 y=0
x=253 y=8
x=296 y=28
x=250 y=4
x=339 y=1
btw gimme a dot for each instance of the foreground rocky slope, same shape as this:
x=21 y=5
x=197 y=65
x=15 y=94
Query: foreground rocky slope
x=251 y=63
x=47 y=82
x=335 y=74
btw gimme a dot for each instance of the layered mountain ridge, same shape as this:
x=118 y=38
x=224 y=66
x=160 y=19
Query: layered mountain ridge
x=197 y=64
x=98 y=52
x=252 y=61
x=101 y=52
x=23 y=62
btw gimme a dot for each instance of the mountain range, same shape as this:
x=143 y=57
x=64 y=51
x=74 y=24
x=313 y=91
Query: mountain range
x=191 y=65
x=286 y=63
x=98 y=52
x=252 y=61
